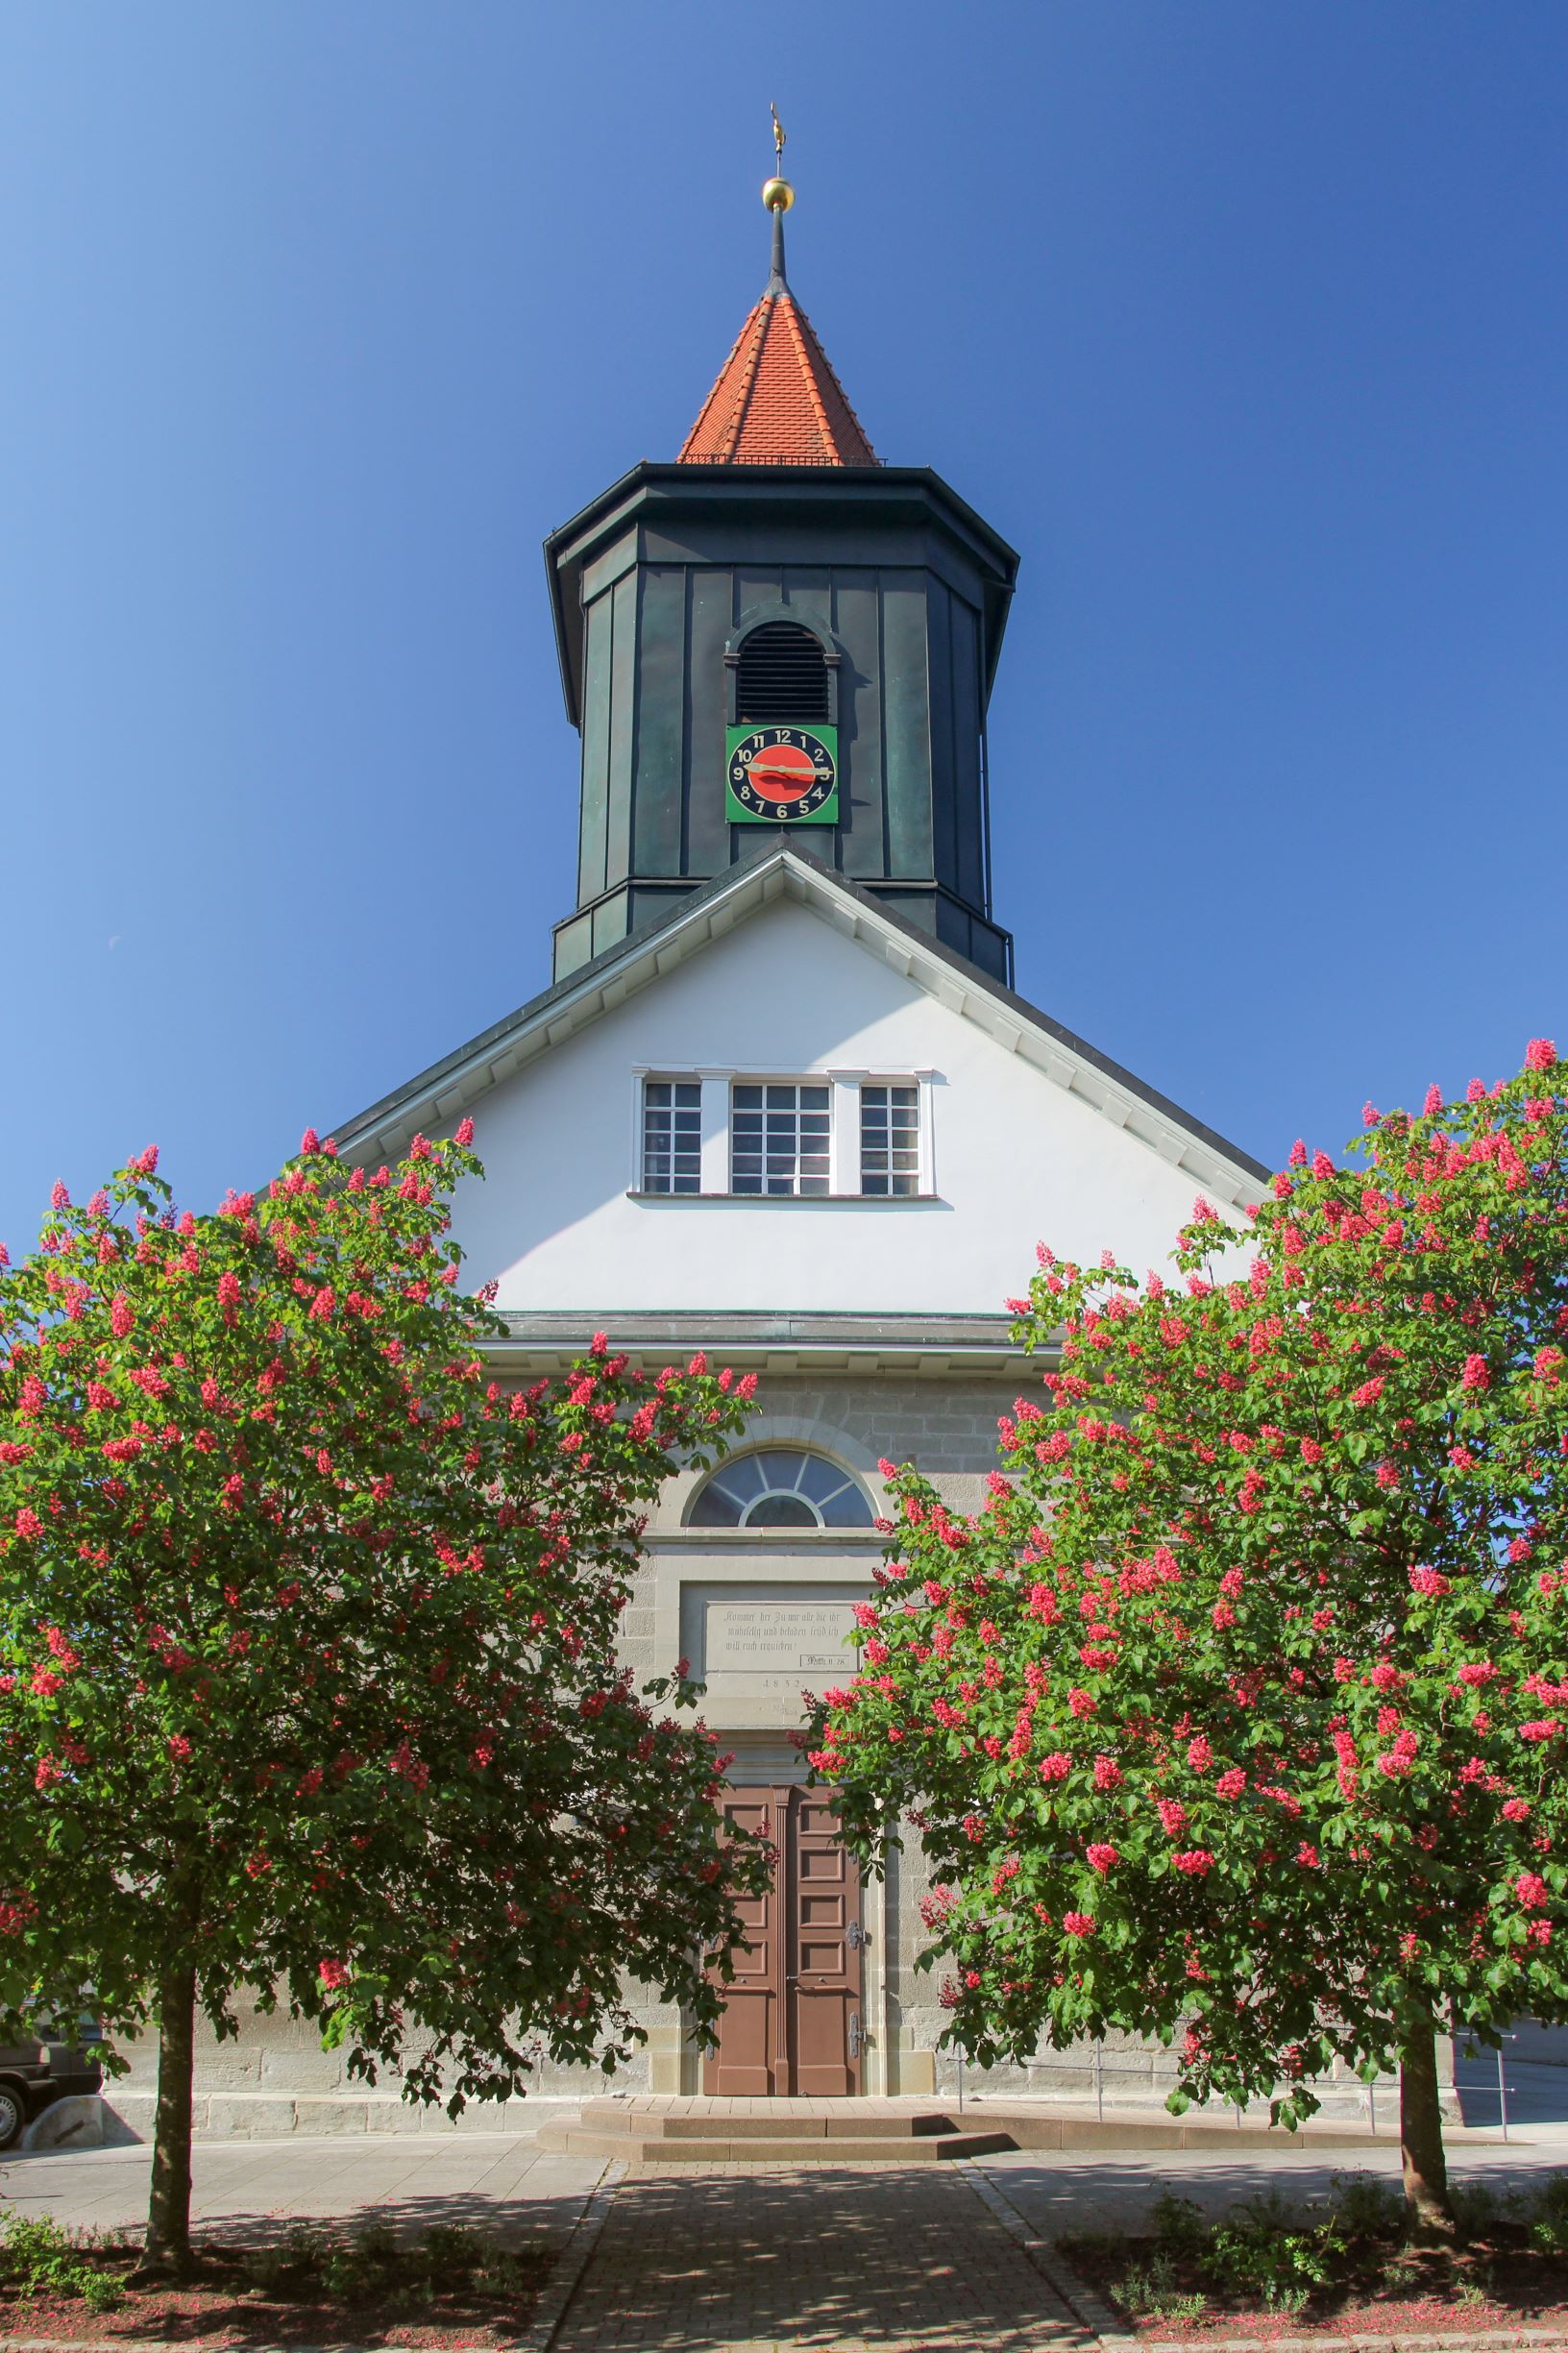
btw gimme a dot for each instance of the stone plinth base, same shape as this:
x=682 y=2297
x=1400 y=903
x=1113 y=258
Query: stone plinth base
x=272 y=2116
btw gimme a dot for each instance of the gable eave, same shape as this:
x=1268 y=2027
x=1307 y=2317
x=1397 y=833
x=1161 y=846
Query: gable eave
x=455 y=1086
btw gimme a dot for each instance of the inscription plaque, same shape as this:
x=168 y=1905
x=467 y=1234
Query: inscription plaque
x=777 y=1646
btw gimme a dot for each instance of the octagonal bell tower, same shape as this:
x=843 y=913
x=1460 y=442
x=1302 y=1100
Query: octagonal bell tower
x=778 y=637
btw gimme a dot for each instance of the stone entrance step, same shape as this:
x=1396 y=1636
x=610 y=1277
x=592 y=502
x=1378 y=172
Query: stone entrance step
x=768 y=2132
x=668 y=2128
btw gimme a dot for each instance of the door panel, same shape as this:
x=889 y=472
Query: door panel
x=751 y=2052
x=824 y=1896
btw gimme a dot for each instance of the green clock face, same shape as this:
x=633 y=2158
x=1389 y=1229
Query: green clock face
x=782 y=775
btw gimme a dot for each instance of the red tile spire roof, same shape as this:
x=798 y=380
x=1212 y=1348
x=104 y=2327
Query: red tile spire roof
x=778 y=401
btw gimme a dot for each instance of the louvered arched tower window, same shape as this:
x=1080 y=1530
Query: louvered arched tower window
x=783 y=680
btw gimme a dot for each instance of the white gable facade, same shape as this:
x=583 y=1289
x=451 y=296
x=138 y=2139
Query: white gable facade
x=876 y=1321
x=1022 y=1135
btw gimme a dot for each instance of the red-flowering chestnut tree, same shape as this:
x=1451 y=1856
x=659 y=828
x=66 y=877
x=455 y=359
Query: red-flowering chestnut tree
x=1238 y=1712
x=307 y=1648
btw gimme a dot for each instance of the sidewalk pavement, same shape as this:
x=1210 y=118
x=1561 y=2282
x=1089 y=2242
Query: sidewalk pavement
x=1061 y=2191
x=256 y=2189
x=505 y=2180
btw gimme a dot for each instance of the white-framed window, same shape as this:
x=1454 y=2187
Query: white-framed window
x=890 y=1140
x=781 y=1133
x=823 y=1135
x=671 y=1134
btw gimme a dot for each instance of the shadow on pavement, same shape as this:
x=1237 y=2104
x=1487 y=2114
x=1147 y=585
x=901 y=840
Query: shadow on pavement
x=521 y=2221
x=892 y=2257
x=522 y=2218
x=1061 y=2195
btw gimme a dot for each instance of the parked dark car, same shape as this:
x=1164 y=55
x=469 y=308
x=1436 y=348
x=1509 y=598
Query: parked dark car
x=34 y=2074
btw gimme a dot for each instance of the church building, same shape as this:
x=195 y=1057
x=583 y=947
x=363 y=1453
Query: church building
x=781 y=1102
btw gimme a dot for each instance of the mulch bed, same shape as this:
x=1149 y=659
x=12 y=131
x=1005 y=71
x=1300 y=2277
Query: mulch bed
x=482 y=2297
x=1491 y=2286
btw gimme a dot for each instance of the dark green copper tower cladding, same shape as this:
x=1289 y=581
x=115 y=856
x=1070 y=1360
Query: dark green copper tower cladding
x=884 y=598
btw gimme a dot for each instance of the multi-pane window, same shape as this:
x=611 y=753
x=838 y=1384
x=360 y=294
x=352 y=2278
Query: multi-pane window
x=671 y=1136
x=778 y=1138
x=889 y=1139
x=790 y=1138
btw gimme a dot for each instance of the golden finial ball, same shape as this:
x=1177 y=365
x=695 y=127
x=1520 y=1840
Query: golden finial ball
x=777 y=195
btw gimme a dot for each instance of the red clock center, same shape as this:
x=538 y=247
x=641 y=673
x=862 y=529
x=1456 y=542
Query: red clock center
x=782 y=773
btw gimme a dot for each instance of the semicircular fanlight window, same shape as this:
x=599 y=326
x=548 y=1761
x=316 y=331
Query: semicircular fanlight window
x=781 y=1486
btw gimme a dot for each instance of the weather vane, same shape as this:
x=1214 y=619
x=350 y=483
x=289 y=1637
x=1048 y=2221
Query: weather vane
x=777 y=192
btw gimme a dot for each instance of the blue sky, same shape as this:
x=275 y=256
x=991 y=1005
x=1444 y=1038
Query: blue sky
x=1244 y=323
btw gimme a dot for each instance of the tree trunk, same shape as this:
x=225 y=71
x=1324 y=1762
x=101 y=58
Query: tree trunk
x=1421 y=2133
x=168 y=2207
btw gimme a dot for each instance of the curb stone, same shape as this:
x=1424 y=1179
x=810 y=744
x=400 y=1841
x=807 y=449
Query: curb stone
x=1486 y=2341
x=537 y=2337
x=1093 y=2318
x=575 y=2260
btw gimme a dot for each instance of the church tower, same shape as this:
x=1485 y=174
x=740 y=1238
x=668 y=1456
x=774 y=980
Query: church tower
x=778 y=638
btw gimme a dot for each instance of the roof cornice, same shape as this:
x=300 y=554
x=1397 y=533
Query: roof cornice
x=914 y=1344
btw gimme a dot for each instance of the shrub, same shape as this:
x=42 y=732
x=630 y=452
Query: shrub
x=1152 y=2291
x=1477 y=2206
x=1256 y=2251
x=1178 y=2223
x=452 y=2254
x=295 y=2265
x=373 y=2264
x=37 y=2258
x=1365 y=2207
x=506 y=2275
x=1549 y=2225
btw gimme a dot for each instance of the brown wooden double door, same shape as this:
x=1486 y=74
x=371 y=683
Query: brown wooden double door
x=793 y=2020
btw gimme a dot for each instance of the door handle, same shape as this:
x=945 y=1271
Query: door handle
x=856 y=2037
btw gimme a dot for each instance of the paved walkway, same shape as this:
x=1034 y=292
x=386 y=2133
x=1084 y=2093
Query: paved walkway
x=500 y=2181
x=859 y=2259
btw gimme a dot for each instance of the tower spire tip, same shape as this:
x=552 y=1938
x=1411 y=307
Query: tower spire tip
x=779 y=196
